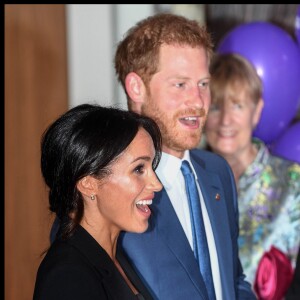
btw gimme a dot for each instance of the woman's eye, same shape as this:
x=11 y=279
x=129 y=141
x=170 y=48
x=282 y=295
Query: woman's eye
x=237 y=105
x=203 y=84
x=214 y=107
x=139 y=169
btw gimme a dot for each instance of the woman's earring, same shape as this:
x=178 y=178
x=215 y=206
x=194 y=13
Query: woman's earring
x=92 y=197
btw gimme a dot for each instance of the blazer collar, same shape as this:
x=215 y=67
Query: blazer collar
x=105 y=267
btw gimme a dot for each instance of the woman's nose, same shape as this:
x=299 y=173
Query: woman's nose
x=156 y=185
x=225 y=116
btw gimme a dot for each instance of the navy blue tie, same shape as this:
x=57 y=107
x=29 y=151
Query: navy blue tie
x=201 y=251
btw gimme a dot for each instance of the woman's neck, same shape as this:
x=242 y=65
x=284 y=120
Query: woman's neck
x=239 y=162
x=107 y=239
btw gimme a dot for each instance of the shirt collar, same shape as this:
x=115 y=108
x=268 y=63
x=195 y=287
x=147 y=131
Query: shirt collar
x=169 y=168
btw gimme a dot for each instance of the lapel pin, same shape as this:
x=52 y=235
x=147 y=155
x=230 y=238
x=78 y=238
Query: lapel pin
x=218 y=197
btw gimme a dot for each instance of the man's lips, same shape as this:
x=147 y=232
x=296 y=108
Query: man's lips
x=190 y=121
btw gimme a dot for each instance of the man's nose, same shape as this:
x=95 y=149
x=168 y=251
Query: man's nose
x=195 y=98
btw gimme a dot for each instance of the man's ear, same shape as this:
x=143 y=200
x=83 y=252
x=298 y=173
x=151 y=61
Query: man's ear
x=87 y=186
x=136 y=90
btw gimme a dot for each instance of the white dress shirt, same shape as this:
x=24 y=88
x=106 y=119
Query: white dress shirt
x=172 y=179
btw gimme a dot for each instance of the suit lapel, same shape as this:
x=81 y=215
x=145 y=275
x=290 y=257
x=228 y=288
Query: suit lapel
x=215 y=202
x=131 y=274
x=172 y=233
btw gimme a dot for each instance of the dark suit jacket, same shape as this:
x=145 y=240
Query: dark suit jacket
x=162 y=255
x=79 y=268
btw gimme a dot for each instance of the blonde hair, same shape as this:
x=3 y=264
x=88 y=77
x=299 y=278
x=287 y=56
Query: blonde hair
x=230 y=73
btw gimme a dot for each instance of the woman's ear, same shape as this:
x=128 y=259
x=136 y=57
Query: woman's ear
x=136 y=91
x=258 y=111
x=87 y=186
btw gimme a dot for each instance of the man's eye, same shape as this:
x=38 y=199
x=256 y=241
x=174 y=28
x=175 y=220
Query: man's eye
x=180 y=84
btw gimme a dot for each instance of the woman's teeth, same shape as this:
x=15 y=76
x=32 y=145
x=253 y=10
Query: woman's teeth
x=144 y=202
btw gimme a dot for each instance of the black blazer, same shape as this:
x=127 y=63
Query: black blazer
x=79 y=268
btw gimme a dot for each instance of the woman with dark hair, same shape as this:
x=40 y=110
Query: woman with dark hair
x=98 y=163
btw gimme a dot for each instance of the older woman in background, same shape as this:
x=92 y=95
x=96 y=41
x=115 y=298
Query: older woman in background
x=268 y=186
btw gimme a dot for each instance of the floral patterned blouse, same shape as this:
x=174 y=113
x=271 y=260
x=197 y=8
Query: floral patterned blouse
x=269 y=208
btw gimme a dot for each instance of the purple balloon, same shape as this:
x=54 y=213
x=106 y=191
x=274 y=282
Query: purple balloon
x=297 y=25
x=288 y=144
x=276 y=57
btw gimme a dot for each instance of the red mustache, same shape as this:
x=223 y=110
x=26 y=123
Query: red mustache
x=201 y=112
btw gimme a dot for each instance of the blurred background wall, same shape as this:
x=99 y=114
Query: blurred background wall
x=58 y=56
